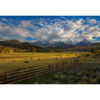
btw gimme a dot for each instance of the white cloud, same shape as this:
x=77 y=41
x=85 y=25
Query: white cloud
x=54 y=30
x=25 y=23
x=4 y=19
x=92 y=21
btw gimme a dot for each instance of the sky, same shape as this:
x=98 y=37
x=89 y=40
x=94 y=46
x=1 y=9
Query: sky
x=50 y=28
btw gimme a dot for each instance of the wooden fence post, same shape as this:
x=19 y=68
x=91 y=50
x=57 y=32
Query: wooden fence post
x=5 y=77
x=49 y=67
x=62 y=65
x=52 y=66
x=70 y=62
x=12 y=76
x=56 y=66
x=0 y=77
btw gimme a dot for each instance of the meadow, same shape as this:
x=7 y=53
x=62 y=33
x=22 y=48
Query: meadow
x=80 y=67
x=9 y=61
x=86 y=70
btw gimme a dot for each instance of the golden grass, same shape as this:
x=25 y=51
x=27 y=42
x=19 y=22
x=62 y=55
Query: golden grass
x=97 y=51
x=17 y=60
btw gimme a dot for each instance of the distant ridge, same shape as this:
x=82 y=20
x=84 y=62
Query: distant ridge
x=62 y=45
x=84 y=43
x=21 y=45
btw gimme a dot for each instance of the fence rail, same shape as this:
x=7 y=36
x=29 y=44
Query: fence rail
x=17 y=75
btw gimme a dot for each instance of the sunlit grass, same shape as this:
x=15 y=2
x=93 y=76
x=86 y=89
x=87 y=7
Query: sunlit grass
x=17 y=60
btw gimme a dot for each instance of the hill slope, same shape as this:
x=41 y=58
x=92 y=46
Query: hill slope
x=22 y=45
x=85 y=48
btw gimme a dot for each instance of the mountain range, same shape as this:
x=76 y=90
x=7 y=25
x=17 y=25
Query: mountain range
x=45 y=46
x=62 y=45
x=22 y=45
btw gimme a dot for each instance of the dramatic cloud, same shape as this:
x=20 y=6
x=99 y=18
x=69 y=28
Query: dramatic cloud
x=59 y=29
x=92 y=21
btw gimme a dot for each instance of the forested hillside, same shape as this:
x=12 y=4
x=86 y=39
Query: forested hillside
x=18 y=46
x=95 y=46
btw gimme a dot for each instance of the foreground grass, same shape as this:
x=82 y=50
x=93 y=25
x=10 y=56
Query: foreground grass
x=10 y=61
x=87 y=72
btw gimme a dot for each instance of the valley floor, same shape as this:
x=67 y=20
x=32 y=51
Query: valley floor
x=10 y=61
x=86 y=71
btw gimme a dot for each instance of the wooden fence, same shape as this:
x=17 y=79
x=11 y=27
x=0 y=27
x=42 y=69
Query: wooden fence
x=18 y=75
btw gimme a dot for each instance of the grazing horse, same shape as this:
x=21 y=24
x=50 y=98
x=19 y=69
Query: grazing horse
x=26 y=61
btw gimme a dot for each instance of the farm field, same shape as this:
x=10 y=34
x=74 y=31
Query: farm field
x=66 y=67
x=86 y=71
x=9 y=61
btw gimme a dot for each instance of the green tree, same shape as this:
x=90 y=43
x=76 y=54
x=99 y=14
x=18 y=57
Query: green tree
x=93 y=50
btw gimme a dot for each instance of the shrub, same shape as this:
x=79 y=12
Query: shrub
x=98 y=79
x=84 y=82
x=97 y=51
x=85 y=55
x=87 y=73
x=93 y=81
x=93 y=50
x=84 y=78
x=6 y=50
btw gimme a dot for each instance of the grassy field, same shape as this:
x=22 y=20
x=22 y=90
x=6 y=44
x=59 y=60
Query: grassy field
x=10 y=61
x=86 y=71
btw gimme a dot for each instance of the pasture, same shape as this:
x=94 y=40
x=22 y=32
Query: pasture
x=51 y=68
x=9 y=61
x=84 y=70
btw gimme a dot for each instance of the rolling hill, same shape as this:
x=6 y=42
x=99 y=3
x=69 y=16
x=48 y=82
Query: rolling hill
x=22 y=46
